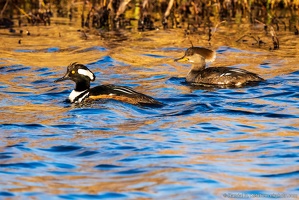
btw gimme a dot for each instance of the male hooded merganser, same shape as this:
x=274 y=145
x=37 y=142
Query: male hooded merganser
x=221 y=76
x=82 y=76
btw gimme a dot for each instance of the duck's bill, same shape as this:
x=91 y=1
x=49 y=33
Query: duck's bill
x=61 y=79
x=182 y=59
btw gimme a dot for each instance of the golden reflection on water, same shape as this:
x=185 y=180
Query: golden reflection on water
x=126 y=50
x=91 y=184
x=133 y=52
x=32 y=113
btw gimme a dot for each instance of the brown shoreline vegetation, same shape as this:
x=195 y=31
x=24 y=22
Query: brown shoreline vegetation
x=261 y=24
x=149 y=15
x=193 y=16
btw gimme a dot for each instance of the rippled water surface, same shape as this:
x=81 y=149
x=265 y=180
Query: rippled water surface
x=204 y=143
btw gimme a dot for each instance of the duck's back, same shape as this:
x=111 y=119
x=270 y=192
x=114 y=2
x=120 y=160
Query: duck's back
x=121 y=93
x=223 y=76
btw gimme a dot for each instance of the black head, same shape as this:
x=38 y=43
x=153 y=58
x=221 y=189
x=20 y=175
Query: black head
x=77 y=73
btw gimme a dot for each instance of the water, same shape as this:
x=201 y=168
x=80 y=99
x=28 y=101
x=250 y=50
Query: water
x=203 y=144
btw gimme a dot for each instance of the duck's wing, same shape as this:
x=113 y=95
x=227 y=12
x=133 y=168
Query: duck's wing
x=121 y=93
x=226 y=76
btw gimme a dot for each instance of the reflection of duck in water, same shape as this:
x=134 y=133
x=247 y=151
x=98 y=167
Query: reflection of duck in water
x=82 y=76
x=220 y=76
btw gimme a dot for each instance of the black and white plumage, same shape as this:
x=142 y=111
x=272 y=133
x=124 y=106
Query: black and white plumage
x=225 y=76
x=82 y=76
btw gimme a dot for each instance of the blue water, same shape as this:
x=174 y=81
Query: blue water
x=202 y=144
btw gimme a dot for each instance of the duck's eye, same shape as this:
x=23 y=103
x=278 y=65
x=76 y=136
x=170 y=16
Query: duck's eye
x=189 y=53
x=73 y=72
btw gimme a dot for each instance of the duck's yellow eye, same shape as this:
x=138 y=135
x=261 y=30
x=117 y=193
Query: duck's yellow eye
x=73 y=72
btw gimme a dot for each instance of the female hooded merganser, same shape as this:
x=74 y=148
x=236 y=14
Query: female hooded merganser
x=221 y=76
x=82 y=76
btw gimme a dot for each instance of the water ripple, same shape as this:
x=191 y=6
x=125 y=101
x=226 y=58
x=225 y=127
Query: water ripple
x=131 y=172
x=31 y=165
x=282 y=175
x=107 y=195
x=62 y=148
x=107 y=167
x=202 y=137
x=6 y=194
x=87 y=153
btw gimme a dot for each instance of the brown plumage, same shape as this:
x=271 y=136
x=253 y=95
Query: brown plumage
x=228 y=76
x=130 y=100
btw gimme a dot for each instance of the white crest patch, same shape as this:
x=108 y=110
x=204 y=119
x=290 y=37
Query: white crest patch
x=86 y=73
x=74 y=94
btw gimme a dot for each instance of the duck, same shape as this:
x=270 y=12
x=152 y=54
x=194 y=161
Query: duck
x=82 y=76
x=214 y=76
